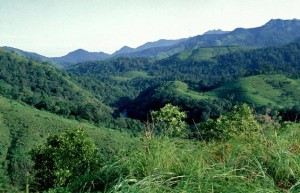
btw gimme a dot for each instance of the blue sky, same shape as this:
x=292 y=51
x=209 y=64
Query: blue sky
x=56 y=27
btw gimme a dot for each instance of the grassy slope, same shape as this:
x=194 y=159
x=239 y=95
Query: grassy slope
x=267 y=162
x=182 y=89
x=261 y=90
x=207 y=53
x=131 y=75
x=23 y=127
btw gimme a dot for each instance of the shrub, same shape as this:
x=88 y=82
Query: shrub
x=240 y=121
x=63 y=158
x=169 y=120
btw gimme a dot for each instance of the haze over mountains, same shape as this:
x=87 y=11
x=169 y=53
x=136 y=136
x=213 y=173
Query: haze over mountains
x=80 y=55
x=275 y=32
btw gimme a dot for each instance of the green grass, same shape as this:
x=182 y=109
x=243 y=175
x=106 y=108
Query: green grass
x=182 y=89
x=23 y=127
x=131 y=75
x=263 y=162
x=262 y=90
x=207 y=53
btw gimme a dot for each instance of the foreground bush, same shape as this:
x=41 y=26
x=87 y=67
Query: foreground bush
x=64 y=158
x=169 y=121
x=239 y=122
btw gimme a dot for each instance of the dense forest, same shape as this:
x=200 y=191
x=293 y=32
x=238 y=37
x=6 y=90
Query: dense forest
x=45 y=87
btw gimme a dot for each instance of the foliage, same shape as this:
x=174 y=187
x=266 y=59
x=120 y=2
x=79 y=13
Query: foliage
x=45 y=87
x=239 y=122
x=198 y=107
x=169 y=120
x=64 y=157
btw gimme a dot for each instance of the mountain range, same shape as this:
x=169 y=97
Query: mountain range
x=273 y=33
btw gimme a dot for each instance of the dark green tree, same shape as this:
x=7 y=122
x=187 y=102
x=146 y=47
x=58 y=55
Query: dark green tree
x=64 y=158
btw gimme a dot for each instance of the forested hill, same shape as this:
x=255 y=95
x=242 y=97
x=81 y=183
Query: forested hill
x=121 y=80
x=226 y=67
x=32 y=56
x=45 y=87
x=223 y=65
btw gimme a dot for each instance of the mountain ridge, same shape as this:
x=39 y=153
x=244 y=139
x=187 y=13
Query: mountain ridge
x=80 y=55
x=274 y=32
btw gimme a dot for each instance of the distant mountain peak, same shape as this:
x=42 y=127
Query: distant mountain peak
x=80 y=50
x=273 y=22
x=124 y=50
x=80 y=55
x=215 y=31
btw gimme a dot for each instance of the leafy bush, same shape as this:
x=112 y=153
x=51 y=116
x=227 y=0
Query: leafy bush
x=169 y=120
x=240 y=121
x=64 y=158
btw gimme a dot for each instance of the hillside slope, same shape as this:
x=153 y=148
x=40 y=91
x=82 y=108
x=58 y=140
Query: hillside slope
x=46 y=87
x=200 y=54
x=32 y=56
x=124 y=51
x=273 y=91
x=23 y=127
x=262 y=90
x=202 y=69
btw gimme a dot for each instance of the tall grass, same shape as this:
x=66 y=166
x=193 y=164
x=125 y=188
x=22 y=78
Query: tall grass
x=265 y=162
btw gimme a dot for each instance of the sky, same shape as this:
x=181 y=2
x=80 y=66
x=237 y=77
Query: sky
x=56 y=27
